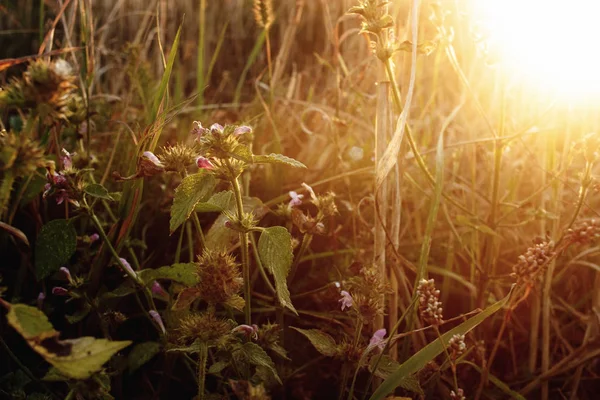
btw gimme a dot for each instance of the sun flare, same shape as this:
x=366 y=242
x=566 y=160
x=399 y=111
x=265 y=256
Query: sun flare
x=552 y=45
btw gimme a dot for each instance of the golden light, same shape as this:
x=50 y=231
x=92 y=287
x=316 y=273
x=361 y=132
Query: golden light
x=551 y=45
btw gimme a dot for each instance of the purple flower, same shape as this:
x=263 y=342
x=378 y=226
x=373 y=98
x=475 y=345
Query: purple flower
x=40 y=299
x=58 y=182
x=149 y=165
x=216 y=128
x=198 y=130
x=241 y=130
x=158 y=290
x=249 y=331
x=296 y=199
x=94 y=237
x=156 y=317
x=60 y=291
x=377 y=339
x=66 y=273
x=346 y=300
x=127 y=266
x=66 y=159
x=204 y=163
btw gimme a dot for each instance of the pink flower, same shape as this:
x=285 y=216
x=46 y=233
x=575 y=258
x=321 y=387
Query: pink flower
x=156 y=317
x=249 y=331
x=377 y=339
x=66 y=159
x=346 y=300
x=127 y=267
x=60 y=291
x=241 y=130
x=216 y=128
x=94 y=237
x=158 y=290
x=296 y=199
x=66 y=273
x=40 y=300
x=149 y=165
x=204 y=163
x=198 y=130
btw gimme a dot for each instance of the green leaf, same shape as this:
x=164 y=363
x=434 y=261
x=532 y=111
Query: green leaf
x=278 y=159
x=54 y=375
x=55 y=244
x=255 y=355
x=275 y=252
x=432 y=350
x=162 y=88
x=85 y=356
x=192 y=190
x=30 y=322
x=217 y=367
x=242 y=153
x=98 y=191
x=320 y=340
x=79 y=314
x=387 y=365
x=217 y=203
x=74 y=358
x=141 y=354
x=182 y=272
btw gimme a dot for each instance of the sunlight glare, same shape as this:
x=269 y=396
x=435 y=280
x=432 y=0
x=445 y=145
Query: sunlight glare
x=552 y=44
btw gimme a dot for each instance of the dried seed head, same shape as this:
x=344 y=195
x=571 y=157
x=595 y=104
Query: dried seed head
x=204 y=327
x=457 y=346
x=531 y=265
x=219 y=277
x=430 y=306
x=584 y=232
x=263 y=13
x=178 y=157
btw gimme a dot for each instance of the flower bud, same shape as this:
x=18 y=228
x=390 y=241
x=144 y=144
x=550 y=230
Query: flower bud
x=124 y=264
x=158 y=290
x=204 y=163
x=156 y=317
x=66 y=273
x=60 y=291
x=149 y=165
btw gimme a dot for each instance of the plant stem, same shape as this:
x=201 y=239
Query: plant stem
x=306 y=240
x=202 y=357
x=243 y=246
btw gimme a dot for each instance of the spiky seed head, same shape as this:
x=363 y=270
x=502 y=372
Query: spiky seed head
x=205 y=327
x=219 y=276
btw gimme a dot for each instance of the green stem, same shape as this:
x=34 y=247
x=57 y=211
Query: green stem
x=357 y=333
x=202 y=357
x=306 y=240
x=243 y=246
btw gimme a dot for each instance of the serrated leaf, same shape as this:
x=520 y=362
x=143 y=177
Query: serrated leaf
x=141 y=354
x=55 y=244
x=218 y=367
x=98 y=191
x=432 y=350
x=255 y=355
x=184 y=273
x=275 y=252
x=241 y=152
x=278 y=159
x=217 y=203
x=192 y=190
x=74 y=358
x=321 y=341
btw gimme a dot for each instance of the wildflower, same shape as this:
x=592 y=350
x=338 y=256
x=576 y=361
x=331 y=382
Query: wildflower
x=241 y=130
x=249 y=331
x=40 y=300
x=204 y=163
x=67 y=159
x=94 y=237
x=430 y=307
x=346 y=300
x=125 y=265
x=158 y=290
x=459 y=395
x=296 y=199
x=156 y=317
x=198 y=130
x=60 y=291
x=216 y=129
x=377 y=339
x=66 y=273
x=149 y=165
x=530 y=265
x=457 y=346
